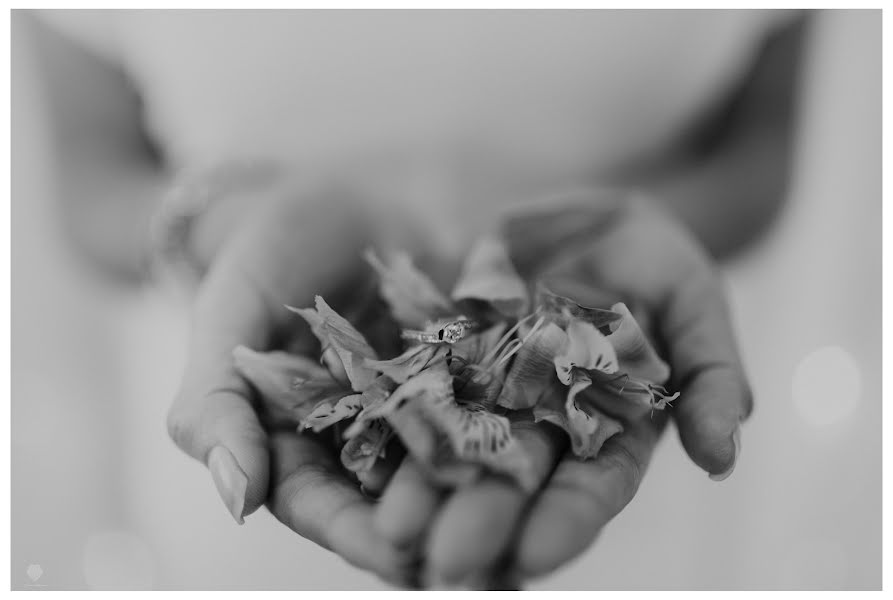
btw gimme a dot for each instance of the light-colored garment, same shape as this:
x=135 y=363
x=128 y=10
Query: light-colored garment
x=440 y=112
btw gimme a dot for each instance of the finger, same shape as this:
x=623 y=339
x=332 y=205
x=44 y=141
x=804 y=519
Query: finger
x=475 y=528
x=312 y=496
x=647 y=257
x=240 y=302
x=580 y=498
x=212 y=418
x=715 y=396
x=407 y=506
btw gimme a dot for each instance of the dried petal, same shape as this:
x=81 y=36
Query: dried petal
x=413 y=360
x=626 y=397
x=360 y=452
x=412 y=296
x=586 y=425
x=473 y=363
x=636 y=355
x=481 y=389
x=532 y=369
x=587 y=348
x=289 y=383
x=432 y=450
x=558 y=307
x=474 y=348
x=433 y=385
x=371 y=401
x=334 y=331
x=475 y=434
x=334 y=364
x=489 y=275
x=330 y=412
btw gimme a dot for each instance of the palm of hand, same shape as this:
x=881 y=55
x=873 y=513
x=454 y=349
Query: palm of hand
x=492 y=533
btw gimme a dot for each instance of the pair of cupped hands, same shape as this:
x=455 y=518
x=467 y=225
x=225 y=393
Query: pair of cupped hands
x=286 y=249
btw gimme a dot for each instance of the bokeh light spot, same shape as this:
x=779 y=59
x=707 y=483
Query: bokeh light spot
x=827 y=386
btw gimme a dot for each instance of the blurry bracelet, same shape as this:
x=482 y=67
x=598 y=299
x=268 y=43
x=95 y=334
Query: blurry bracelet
x=188 y=198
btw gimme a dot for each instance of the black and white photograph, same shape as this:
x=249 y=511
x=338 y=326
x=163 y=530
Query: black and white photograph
x=461 y=299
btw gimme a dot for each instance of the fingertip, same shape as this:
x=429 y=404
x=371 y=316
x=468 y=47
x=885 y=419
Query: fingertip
x=355 y=537
x=555 y=532
x=251 y=454
x=712 y=442
x=473 y=530
x=221 y=430
x=736 y=444
x=241 y=476
x=406 y=507
x=708 y=414
x=230 y=480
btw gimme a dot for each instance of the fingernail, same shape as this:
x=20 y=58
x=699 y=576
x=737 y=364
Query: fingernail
x=736 y=441
x=230 y=480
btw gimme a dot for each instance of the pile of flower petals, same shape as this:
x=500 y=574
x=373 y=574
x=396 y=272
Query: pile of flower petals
x=585 y=370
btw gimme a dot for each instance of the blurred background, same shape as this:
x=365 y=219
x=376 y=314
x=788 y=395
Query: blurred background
x=101 y=498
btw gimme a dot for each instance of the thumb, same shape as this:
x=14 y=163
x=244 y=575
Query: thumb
x=291 y=251
x=212 y=418
x=220 y=428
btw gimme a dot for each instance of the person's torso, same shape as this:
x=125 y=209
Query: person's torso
x=451 y=111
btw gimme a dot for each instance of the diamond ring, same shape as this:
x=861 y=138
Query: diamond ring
x=450 y=333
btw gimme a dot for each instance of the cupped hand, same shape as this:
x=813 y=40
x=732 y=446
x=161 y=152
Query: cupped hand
x=281 y=251
x=491 y=533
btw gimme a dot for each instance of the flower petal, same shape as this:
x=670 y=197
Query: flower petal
x=532 y=368
x=432 y=450
x=477 y=378
x=483 y=437
x=289 y=383
x=474 y=348
x=330 y=412
x=587 y=348
x=636 y=355
x=475 y=434
x=626 y=397
x=310 y=394
x=334 y=331
x=412 y=296
x=372 y=398
x=361 y=451
x=413 y=360
x=489 y=275
x=559 y=307
x=586 y=425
